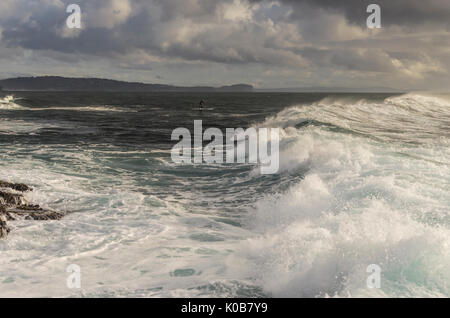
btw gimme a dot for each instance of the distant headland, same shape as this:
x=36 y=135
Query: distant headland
x=57 y=83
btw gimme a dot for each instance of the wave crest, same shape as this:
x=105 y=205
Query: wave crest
x=411 y=118
x=7 y=103
x=372 y=190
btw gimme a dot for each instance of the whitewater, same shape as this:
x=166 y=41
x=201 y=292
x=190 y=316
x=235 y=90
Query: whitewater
x=364 y=179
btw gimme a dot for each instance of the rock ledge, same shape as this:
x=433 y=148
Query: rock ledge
x=13 y=206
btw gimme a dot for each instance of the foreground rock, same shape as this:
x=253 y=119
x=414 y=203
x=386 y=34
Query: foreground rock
x=15 y=186
x=13 y=206
x=4 y=229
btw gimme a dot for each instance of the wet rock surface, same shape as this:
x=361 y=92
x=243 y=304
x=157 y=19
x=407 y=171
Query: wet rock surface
x=13 y=207
x=15 y=186
x=4 y=229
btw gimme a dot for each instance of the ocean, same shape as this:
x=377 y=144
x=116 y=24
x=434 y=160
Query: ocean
x=364 y=179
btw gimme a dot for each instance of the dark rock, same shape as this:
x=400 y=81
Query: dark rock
x=13 y=206
x=15 y=186
x=7 y=198
x=27 y=213
x=4 y=229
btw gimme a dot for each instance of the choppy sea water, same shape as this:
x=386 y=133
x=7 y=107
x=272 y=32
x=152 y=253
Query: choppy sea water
x=364 y=179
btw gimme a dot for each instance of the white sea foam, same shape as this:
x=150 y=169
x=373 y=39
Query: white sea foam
x=7 y=103
x=125 y=242
x=86 y=109
x=410 y=117
x=361 y=202
x=13 y=127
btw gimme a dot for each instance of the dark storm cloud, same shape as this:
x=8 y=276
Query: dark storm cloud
x=394 y=12
x=299 y=39
x=367 y=61
x=141 y=29
x=154 y=26
x=144 y=29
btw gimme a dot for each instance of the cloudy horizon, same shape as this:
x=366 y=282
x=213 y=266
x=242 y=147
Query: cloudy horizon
x=268 y=44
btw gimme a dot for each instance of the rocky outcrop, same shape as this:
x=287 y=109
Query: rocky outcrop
x=15 y=186
x=13 y=206
x=4 y=229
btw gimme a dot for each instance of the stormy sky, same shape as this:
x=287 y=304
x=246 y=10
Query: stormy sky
x=285 y=43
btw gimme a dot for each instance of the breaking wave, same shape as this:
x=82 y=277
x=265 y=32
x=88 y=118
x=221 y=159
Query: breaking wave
x=8 y=103
x=375 y=190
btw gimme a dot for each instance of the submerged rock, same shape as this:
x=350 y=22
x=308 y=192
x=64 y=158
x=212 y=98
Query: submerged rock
x=13 y=206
